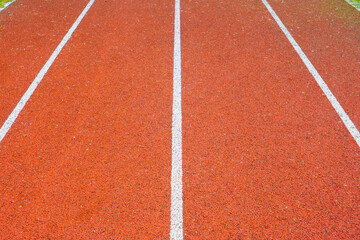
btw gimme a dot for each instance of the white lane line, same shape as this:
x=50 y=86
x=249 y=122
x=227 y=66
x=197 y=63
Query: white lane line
x=344 y=117
x=176 y=229
x=15 y=113
x=353 y=3
x=6 y=5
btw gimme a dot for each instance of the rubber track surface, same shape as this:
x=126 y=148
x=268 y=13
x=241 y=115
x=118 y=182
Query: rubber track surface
x=265 y=154
x=29 y=33
x=90 y=155
x=329 y=34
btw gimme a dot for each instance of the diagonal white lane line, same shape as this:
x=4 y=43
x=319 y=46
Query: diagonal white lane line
x=15 y=113
x=353 y=3
x=176 y=228
x=6 y=5
x=340 y=111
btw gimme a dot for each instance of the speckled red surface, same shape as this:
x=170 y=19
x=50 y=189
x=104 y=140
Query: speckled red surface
x=329 y=34
x=90 y=155
x=265 y=154
x=30 y=30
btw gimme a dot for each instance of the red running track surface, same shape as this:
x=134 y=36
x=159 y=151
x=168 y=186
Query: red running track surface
x=265 y=155
x=90 y=155
x=29 y=33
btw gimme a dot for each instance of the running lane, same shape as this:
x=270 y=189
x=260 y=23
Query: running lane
x=29 y=33
x=90 y=155
x=265 y=155
x=329 y=34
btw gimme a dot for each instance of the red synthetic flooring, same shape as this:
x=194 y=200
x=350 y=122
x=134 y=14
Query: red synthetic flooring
x=30 y=31
x=94 y=159
x=329 y=34
x=265 y=155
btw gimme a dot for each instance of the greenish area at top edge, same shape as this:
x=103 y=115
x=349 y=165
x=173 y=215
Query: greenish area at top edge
x=5 y=1
x=2 y=2
x=355 y=1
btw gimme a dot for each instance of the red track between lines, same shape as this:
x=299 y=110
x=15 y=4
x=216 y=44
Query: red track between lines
x=329 y=34
x=29 y=33
x=90 y=155
x=265 y=155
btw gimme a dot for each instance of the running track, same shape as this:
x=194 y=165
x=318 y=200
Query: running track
x=108 y=147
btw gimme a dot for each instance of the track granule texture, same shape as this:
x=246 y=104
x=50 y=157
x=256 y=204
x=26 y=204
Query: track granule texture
x=90 y=155
x=29 y=33
x=265 y=154
x=329 y=34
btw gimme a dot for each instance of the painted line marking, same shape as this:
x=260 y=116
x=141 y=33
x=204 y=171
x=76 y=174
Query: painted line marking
x=344 y=117
x=15 y=113
x=176 y=229
x=6 y=5
x=353 y=3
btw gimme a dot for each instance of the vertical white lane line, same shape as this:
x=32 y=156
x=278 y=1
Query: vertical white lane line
x=340 y=111
x=15 y=113
x=176 y=228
